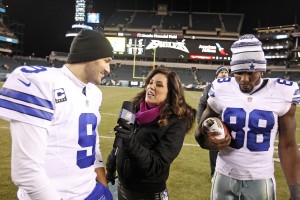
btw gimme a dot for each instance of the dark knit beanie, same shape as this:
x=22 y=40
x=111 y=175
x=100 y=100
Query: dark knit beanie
x=89 y=45
x=220 y=69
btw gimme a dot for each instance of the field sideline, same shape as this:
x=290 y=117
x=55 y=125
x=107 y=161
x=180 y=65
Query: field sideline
x=190 y=173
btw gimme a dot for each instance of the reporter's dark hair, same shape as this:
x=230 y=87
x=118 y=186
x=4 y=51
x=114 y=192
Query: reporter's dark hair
x=175 y=103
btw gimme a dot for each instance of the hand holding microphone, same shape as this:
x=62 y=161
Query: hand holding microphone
x=123 y=130
x=125 y=125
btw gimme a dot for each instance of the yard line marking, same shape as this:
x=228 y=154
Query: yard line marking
x=192 y=145
x=4 y=127
x=109 y=137
x=109 y=114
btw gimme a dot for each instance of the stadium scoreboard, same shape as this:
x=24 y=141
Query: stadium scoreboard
x=171 y=46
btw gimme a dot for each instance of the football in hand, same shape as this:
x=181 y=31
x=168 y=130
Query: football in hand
x=214 y=124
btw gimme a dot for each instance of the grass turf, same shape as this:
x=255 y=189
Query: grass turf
x=190 y=172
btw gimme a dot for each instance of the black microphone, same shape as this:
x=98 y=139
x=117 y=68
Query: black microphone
x=125 y=116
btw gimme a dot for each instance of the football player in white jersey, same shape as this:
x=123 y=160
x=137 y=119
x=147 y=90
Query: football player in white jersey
x=54 y=117
x=255 y=110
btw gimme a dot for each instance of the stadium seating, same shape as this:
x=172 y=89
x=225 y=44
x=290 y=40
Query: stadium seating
x=120 y=17
x=5 y=60
x=151 y=21
x=206 y=21
x=232 y=22
x=145 y=19
x=175 y=20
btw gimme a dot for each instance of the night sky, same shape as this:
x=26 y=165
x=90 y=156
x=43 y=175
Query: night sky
x=47 y=21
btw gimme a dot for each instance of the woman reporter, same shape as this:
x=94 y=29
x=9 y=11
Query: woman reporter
x=150 y=146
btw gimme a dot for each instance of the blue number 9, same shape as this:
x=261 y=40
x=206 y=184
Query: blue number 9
x=87 y=121
x=33 y=69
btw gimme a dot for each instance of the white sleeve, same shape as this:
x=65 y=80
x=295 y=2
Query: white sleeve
x=29 y=145
x=99 y=160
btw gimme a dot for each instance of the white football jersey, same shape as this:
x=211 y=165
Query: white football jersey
x=253 y=121
x=52 y=98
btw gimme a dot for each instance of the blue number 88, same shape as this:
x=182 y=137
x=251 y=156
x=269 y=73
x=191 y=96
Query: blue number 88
x=260 y=124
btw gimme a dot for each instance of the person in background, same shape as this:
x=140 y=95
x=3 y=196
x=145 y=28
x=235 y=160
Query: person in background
x=221 y=72
x=54 y=117
x=150 y=146
x=255 y=110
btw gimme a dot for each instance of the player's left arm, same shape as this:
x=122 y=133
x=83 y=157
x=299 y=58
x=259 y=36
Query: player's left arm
x=206 y=139
x=288 y=151
x=99 y=165
x=101 y=177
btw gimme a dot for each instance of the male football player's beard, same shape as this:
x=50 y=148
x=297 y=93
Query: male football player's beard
x=246 y=88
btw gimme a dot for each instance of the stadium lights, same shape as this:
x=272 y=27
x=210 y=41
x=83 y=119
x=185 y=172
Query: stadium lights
x=277 y=56
x=281 y=36
x=10 y=40
x=82 y=26
x=71 y=34
x=273 y=47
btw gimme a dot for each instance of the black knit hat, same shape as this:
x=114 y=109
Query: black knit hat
x=89 y=45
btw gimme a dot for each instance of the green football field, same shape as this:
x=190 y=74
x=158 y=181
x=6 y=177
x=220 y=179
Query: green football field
x=190 y=172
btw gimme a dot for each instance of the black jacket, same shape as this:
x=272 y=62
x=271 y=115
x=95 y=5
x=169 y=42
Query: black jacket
x=144 y=166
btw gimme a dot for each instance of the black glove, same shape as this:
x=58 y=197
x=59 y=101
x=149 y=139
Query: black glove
x=111 y=177
x=111 y=167
x=125 y=131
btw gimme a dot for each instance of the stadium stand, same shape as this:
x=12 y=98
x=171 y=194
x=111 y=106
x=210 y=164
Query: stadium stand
x=10 y=62
x=145 y=20
x=191 y=43
x=175 y=20
x=206 y=21
x=232 y=22
x=122 y=17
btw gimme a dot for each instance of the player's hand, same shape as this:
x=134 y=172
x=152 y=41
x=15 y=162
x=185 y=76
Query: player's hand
x=212 y=143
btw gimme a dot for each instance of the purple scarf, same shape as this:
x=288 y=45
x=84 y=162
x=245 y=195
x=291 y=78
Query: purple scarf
x=145 y=114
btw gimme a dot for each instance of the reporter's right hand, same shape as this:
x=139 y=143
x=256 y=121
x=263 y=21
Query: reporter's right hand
x=111 y=167
x=111 y=177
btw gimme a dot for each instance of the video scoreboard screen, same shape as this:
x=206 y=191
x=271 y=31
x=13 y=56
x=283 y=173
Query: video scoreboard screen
x=194 y=49
x=93 y=18
x=118 y=44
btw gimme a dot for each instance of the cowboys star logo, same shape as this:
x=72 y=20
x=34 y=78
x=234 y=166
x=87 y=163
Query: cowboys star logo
x=252 y=66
